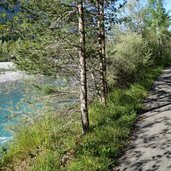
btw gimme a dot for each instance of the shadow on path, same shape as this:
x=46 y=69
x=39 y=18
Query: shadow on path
x=150 y=146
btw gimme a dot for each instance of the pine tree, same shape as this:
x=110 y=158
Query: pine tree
x=83 y=73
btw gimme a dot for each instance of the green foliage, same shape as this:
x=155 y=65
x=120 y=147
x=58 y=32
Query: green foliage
x=47 y=141
x=157 y=22
x=130 y=56
x=5 y=48
x=151 y=21
x=157 y=19
x=50 y=89
x=111 y=126
x=53 y=142
x=49 y=161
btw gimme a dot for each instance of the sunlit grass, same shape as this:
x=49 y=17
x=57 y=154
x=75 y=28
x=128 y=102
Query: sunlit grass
x=48 y=141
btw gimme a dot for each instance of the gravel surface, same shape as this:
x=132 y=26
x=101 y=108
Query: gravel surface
x=9 y=73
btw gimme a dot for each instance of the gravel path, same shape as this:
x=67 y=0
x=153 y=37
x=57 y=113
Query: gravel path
x=150 y=146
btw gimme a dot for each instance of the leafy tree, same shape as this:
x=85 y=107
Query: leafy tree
x=157 y=22
x=133 y=16
x=104 y=15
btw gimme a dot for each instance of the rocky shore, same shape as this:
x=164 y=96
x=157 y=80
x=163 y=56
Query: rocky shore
x=9 y=73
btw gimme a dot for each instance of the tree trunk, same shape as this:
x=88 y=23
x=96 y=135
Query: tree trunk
x=102 y=51
x=83 y=77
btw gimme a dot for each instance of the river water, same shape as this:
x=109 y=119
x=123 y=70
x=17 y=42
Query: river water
x=10 y=95
x=12 y=91
x=20 y=100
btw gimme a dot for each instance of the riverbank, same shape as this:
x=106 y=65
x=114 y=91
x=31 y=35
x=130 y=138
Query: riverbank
x=8 y=73
x=21 y=93
x=55 y=142
x=15 y=85
x=7 y=66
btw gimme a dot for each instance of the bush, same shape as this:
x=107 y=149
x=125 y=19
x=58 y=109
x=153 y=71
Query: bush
x=160 y=50
x=129 y=58
x=5 y=51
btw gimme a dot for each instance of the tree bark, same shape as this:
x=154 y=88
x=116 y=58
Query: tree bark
x=83 y=74
x=102 y=51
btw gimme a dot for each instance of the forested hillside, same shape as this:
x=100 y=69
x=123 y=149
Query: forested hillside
x=108 y=52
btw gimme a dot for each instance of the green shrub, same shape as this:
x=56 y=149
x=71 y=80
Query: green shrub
x=129 y=59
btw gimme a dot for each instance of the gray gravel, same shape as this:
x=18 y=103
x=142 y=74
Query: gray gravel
x=9 y=73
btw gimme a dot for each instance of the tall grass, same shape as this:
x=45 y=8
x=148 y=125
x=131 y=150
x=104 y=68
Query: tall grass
x=111 y=127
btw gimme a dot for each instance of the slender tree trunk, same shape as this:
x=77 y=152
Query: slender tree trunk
x=102 y=51
x=96 y=87
x=83 y=77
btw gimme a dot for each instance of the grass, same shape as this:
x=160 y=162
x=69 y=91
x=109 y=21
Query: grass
x=111 y=127
x=55 y=141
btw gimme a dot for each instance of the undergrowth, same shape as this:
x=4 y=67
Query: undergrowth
x=55 y=141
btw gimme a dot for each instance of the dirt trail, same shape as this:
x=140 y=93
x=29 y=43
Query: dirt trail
x=150 y=146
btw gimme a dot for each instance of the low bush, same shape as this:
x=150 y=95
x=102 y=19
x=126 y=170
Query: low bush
x=129 y=59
